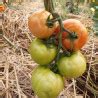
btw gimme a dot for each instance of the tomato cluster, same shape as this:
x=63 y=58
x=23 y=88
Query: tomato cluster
x=46 y=82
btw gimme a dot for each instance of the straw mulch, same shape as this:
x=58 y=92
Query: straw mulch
x=16 y=64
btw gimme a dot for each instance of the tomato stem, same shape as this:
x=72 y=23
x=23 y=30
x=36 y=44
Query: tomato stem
x=50 y=22
x=60 y=39
x=49 y=5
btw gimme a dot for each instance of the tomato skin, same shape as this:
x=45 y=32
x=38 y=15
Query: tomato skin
x=76 y=26
x=2 y=8
x=37 y=24
x=73 y=66
x=40 y=53
x=45 y=83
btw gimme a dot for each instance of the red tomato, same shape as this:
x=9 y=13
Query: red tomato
x=74 y=26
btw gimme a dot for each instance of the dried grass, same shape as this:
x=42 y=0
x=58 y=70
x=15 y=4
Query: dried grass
x=16 y=64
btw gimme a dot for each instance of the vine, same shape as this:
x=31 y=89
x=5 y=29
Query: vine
x=49 y=6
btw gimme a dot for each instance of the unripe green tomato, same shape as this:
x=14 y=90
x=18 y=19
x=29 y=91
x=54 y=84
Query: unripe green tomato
x=45 y=83
x=73 y=66
x=41 y=53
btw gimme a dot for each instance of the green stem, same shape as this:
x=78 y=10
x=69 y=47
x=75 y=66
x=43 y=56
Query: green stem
x=60 y=39
x=56 y=17
x=49 y=5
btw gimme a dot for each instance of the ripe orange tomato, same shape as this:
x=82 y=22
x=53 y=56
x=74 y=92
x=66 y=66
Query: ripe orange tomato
x=2 y=8
x=74 y=26
x=37 y=24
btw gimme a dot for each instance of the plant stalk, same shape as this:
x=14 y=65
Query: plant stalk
x=49 y=6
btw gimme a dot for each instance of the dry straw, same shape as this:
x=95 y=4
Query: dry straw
x=16 y=64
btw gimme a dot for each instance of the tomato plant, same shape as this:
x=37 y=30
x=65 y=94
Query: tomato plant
x=45 y=83
x=77 y=28
x=72 y=66
x=41 y=53
x=69 y=35
x=37 y=24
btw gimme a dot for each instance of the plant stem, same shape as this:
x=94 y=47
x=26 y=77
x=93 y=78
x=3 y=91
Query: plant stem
x=60 y=39
x=49 y=5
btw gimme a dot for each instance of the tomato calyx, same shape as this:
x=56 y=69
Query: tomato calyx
x=50 y=21
x=53 y=67
x=72 y=36
x=67 y=53
x=50 y=40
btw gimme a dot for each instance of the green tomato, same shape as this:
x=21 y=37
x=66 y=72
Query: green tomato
x=45 y=83
x=41 y=53
x=73 y=66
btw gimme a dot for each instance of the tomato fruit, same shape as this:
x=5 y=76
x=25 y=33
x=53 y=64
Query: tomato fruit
x=73 y=66
x=41 y=53
x=74 y=26
x=37 y=24
x=45 y=83
x=2 y=7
